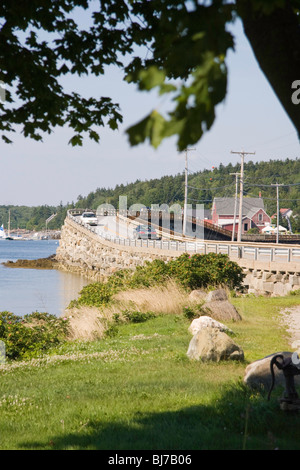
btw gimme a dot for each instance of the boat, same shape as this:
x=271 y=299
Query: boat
x=3 y=235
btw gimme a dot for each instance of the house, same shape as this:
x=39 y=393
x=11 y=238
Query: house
x=254 y=214
x=200 y=213
x=286 y=213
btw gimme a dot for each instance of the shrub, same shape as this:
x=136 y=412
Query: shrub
x=95 y=294
x=191 y=272
x=137 y=317
x=29 y=335
x=212 y=269
x=192 y=312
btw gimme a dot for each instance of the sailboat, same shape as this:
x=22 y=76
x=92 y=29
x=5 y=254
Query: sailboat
x=3 y=235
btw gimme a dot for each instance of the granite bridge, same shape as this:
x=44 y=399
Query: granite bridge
x=98 y=251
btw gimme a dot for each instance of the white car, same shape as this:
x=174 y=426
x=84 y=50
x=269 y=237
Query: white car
x=89 y=218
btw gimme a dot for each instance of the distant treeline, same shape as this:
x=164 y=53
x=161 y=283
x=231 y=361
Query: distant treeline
x=32 y=218
x=203 y=187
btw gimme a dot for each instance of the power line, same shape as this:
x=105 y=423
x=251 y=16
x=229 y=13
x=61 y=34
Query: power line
x=212 y=188
x=269 y=185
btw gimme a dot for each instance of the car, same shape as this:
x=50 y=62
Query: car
x=145 y=232
x=89 y=218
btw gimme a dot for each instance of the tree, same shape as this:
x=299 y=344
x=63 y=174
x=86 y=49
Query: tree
x=187 y=44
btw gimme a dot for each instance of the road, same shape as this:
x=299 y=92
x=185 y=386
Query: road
x=116 y=228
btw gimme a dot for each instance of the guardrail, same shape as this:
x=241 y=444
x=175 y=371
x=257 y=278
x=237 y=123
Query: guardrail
x=241 y=251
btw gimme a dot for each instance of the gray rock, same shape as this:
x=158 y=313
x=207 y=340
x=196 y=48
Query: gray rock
x=211 y=344
x=221 y=310
x=204 y=322
x=217 y=295
x=258 y=374
x=197 y=295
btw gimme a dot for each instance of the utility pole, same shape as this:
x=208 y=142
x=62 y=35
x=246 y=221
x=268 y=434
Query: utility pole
x=277 y=201
x=242 y=154
x=235 y=204
x=185 y=191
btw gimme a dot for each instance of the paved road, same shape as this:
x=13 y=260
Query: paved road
x=109 y=225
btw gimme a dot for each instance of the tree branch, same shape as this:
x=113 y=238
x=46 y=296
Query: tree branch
x=275 y=40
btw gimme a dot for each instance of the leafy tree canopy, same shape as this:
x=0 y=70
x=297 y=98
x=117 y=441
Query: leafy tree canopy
x=187 y=44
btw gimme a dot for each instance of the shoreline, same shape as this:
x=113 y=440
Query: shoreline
x=40 y=263
x=289 y=316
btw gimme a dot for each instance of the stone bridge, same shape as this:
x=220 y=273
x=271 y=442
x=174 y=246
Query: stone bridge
x=272 y=269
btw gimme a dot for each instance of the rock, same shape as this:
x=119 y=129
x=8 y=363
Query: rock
x=221 y=310
x=217 y=295
x=41 y=263
x=211 y=344
x=197 y=295
x=296 y=344
x=258 y=374
x=204 y=322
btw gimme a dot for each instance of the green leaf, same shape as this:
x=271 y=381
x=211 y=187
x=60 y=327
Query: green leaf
x=152 y=128
x=151 y=77
x=76 y=140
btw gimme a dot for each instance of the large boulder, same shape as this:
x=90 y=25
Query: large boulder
x=198 y=296
x=211 y=344
x=221 y=310
x=217 y=294
x=205 y=321
x=215 y=304
x=258 y=374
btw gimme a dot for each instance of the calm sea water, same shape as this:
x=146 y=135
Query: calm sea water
x=25 y=291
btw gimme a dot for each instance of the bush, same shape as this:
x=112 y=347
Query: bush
x=134 y=316
x=192 y=312
x=32 y=334
x=94 y=295
x=191 y=272
x=208 y=270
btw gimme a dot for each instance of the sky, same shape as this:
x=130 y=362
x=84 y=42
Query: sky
x=53 y=172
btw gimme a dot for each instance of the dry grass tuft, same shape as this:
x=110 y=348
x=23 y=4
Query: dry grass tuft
x=87 y=323
x=90 y=323
x=169 y=299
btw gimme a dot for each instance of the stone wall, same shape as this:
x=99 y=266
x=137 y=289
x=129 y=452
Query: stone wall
x=273 y=283
x=83 y=252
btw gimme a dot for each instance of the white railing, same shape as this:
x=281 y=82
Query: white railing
x=235 y=250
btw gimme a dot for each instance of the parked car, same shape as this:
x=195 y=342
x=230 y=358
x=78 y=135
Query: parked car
x=89 y=218
x=145 y=232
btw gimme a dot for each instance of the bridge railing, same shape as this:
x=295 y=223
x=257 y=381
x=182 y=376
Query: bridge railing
x=235 y=250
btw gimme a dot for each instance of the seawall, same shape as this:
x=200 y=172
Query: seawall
x=84 y=252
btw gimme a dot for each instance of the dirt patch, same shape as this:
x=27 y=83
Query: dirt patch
x=291 y=320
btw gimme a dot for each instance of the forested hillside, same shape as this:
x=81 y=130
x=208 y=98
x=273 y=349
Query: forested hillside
x=203 y=186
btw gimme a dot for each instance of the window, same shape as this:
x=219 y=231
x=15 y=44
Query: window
x=245 y=227
x=260 y=217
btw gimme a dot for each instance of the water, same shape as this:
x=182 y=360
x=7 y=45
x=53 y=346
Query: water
x=25 y=291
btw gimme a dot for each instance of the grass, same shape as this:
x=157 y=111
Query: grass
x=137 y=390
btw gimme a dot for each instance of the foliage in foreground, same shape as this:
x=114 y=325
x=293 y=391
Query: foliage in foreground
x=138 y=390
x=32 y=334
x=191 y=272
x=36 y=333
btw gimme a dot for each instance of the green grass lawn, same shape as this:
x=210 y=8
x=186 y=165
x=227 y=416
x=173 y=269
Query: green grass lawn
x=137 y=390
